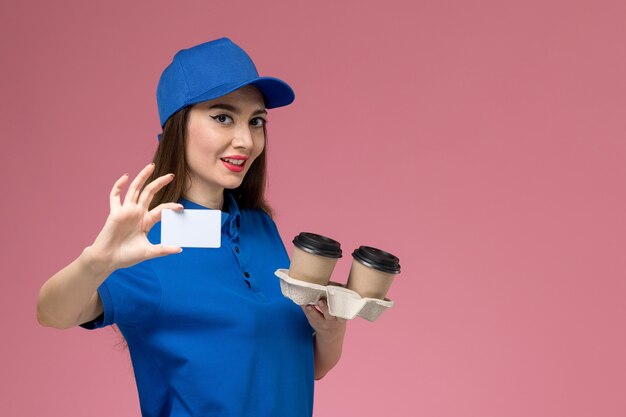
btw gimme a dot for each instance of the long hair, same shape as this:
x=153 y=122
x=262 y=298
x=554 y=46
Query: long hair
x=170 y=158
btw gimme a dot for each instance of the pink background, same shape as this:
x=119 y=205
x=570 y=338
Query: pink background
x=481 y=142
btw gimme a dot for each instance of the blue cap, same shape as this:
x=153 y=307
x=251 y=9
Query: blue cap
x=211 y=70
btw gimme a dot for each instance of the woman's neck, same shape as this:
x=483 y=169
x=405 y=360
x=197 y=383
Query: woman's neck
x=209 y=199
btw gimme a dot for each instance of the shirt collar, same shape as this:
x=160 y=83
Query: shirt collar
x=233 y=208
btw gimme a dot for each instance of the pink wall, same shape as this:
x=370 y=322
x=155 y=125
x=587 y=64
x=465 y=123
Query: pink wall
x=481 y=142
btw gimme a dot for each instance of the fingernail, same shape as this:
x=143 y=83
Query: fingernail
x=322 y=303
x=309 y=307
x=171 y=175
x=151 y=163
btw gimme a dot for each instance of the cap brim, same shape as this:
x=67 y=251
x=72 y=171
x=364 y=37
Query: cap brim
x=276 y=92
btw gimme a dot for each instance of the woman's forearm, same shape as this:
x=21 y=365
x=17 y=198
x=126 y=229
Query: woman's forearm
x=327 y=351
x=71 y=291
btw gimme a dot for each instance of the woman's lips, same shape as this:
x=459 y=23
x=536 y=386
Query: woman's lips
x=234 y=168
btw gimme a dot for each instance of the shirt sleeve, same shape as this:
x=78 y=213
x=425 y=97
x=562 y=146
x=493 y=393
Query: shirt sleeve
x=284 y=256
x=276 y=240
x=130 y=296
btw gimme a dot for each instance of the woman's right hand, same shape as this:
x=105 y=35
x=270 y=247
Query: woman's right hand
x=123 y=241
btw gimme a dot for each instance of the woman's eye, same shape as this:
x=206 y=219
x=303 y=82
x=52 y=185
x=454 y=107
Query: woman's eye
x=258 y=122
x=221 y=118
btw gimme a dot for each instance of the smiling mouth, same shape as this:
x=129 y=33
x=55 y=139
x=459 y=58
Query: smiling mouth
x=236 y=162
x=238 y=166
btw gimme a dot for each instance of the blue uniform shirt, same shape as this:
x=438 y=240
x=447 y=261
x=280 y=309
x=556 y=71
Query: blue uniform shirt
x=209 y=331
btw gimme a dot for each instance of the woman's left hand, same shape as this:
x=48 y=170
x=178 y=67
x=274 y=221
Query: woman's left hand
x=325 y=325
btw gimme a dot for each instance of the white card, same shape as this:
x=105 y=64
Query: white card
x=191 y=228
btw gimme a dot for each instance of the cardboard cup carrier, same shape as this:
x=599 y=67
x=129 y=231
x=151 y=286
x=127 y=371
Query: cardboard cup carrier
x=308 y=278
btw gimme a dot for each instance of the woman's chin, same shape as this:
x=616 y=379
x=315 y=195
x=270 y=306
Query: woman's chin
x=231 y=185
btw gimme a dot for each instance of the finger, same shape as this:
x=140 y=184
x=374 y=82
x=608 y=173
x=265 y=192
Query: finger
x=114 y=196
x=159 y=250
x=154 y=215
x=313 y=313
x=135 y=186
x=323 y=306
x=151 y=189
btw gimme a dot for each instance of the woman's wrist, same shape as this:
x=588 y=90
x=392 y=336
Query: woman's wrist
x=329 y=337
x=96 y=262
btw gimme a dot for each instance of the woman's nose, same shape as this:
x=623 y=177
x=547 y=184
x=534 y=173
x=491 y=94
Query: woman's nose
x=243 y=138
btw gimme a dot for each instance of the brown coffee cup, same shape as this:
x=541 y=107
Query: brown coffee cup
x=314 y=258
x=372 y=272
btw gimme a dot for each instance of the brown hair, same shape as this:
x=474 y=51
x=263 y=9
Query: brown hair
x=170 y=158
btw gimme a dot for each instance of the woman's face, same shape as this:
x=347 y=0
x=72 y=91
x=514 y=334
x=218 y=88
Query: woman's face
x=224 y=137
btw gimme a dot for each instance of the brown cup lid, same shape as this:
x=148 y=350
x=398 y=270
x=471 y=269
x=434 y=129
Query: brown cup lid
x=318 y=245
x=377 y=259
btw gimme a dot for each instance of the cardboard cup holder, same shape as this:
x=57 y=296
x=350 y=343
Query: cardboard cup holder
x=342 y=302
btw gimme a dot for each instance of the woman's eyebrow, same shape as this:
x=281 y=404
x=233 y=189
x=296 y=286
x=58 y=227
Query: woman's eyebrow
x=235 y=109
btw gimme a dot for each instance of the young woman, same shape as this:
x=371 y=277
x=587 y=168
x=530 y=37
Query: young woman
x=208 y=330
